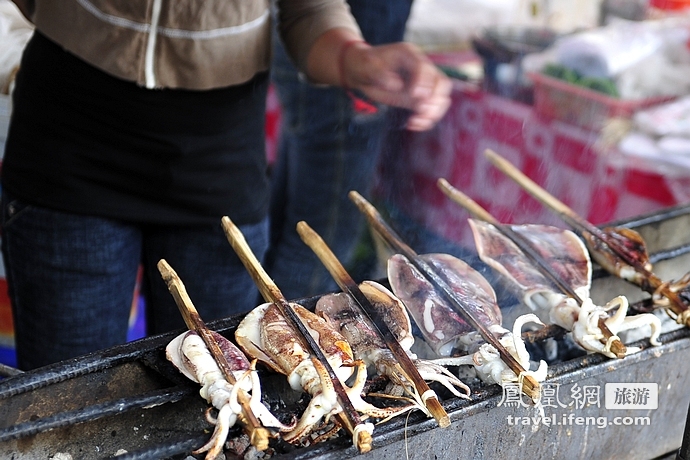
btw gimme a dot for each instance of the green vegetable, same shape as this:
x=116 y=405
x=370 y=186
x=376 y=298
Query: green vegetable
x=562 y=73
x=602 y=85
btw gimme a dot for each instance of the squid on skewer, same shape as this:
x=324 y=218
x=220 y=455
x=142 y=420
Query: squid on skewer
x=188 y=353
x=664 y=294
x=341 y=311
x=621 y=251
x=568 y=258
x=446 y=332
x=266 y=335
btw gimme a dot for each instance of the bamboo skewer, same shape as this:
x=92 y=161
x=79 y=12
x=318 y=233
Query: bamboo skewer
x=258 y=434
x=271 y=293
x=617 y=347
x=347 y=284
x=655 y=284
x=520 y=241
x=529 y=384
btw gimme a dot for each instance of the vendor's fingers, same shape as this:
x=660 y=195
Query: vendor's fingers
x=427 y=116
x=424 y=112
x=426 y=92
x=427 y=107
x=421 y=76
x=436 y=91
x=430 y=110
x=400 y=75
x=395 y=67
x=422 y=80
x=387 y=81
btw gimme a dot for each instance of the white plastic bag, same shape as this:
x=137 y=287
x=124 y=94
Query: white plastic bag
x=15 y=32
x=607 y=51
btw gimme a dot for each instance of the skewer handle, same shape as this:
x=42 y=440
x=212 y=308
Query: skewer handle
x=528 y=184
x=189 y=313
x=466 y=202
x=268 y=289
x=347 y=284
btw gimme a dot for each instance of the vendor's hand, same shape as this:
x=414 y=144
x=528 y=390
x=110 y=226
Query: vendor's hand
x=400 y=75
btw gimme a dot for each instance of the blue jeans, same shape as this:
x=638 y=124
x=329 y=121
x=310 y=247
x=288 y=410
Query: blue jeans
x=325 y=150
x=71 y=278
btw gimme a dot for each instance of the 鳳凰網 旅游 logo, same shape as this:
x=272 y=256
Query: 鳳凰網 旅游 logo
x=632 y=395
x=583 y=405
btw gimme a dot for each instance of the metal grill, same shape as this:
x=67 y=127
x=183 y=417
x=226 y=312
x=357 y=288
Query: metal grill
x=130 y=401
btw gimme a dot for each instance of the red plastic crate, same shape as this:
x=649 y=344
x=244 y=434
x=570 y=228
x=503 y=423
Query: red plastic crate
x=582 y=106
x=670 y=4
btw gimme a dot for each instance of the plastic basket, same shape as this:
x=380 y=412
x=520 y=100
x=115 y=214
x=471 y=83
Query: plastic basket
x=582 y=106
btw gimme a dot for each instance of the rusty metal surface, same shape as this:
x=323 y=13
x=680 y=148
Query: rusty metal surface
x=130 y=398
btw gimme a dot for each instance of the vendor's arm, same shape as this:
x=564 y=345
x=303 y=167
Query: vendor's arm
x=319 y=35
x=397 y=74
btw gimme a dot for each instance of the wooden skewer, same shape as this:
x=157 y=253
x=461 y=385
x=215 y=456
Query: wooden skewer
x=530 y=386
x=258 y=435
x=521 y=242
x=347 y=284
x=655 y=284
x=617 y=347
x=546 y=332
x=269 y=290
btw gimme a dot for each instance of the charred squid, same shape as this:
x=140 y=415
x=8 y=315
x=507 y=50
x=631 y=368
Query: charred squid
x=671 y=295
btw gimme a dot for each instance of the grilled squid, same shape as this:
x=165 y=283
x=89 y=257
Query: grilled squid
x=568 y=258
x=188 y=353
x=266 y=335
x=341 y=311
x=443 y=328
